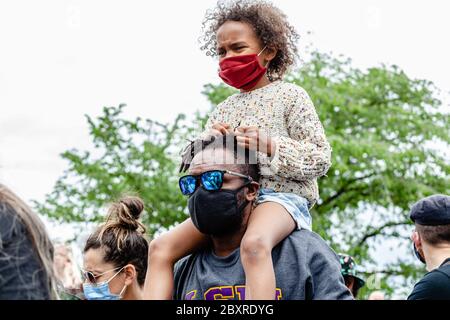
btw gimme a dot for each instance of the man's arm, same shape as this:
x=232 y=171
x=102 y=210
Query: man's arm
x=327 y=282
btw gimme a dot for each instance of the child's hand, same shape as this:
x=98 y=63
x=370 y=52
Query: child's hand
x=219 y=129
x=254 y=139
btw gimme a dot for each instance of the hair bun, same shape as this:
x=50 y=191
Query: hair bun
x=126 y=212
x=134 y=205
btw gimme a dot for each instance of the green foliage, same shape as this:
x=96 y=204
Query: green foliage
x=387 y=131
x=217 y=93
x=131 y=157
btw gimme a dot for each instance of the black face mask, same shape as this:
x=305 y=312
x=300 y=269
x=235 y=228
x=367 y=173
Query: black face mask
x=417 y=253
x=216 y=212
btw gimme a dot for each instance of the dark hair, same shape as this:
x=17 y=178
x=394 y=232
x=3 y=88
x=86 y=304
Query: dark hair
x=246 y=159
x=23 y=218
x=269 y=23
x=434 y=234
x=355 y=289
x=122 y=237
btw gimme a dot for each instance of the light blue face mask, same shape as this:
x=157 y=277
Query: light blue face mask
x=100 y=291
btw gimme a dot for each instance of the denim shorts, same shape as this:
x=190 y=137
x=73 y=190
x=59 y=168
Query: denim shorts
x=296 y=205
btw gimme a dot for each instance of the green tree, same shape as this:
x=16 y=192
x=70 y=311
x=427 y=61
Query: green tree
x=130 y=157
x=387 y=132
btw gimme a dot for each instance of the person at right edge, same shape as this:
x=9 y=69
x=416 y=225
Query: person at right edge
x=431 y=244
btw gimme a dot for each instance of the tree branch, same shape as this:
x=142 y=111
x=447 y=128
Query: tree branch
x=386 y=272
x=344 y=188
x=378 y=230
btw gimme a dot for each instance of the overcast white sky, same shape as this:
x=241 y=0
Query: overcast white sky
x=62 y=59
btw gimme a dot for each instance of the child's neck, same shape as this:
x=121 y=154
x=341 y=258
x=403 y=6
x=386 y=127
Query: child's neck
x=264 y=81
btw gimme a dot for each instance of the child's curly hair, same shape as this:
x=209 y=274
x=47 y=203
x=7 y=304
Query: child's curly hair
x=269 y=23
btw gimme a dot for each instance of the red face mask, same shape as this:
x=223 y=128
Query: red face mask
x=242 y=72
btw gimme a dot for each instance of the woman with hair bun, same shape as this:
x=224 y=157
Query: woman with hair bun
x=115 y=255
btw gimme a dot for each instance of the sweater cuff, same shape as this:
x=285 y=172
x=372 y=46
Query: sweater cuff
x=275 y=162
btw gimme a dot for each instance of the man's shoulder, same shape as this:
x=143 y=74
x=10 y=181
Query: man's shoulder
x=181 y=273
x=183 y=262
x=306 y=237
x=183 y=266
x=434 y=285
x=300 y=240
x=310 y=243
x=320 y=265
x=437 y=276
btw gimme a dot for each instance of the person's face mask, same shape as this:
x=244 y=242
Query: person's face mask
x=216 y=212
x=242 y=72
x=417 y=254
x=101 y=291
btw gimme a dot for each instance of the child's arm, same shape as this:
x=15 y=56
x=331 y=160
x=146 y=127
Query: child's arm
x=306 y=153
x=164 y=252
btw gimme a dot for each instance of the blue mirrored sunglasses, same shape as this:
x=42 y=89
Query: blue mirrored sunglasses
x=210 y=180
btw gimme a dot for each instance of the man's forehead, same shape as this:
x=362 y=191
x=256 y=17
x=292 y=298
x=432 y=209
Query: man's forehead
x=212 y=159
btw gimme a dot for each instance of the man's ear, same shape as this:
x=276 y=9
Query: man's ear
x=130 y=274
x=415 y=237
x=252 y=191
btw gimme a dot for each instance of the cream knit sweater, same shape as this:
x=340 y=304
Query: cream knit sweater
x=286 y=113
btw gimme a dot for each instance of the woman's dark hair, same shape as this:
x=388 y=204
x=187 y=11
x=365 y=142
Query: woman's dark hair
x=21 y=217
x=122 y=237
x=269 y=23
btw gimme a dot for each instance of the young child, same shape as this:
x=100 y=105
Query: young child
x=256 y=45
